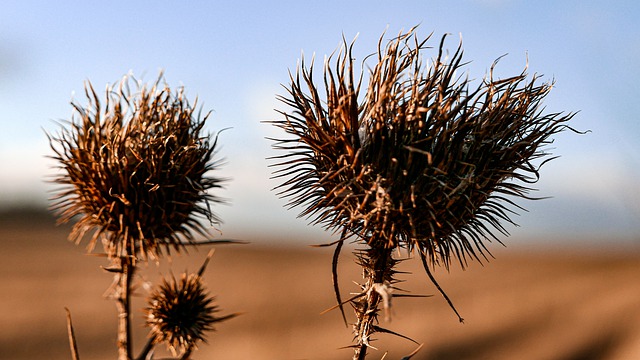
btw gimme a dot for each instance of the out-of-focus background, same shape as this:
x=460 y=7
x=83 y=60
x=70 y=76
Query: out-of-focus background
x=567 y=275
x=528 y=303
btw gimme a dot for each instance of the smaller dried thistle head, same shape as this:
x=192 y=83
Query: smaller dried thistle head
x=136 y=170
x=180 y=312
x=422 y=160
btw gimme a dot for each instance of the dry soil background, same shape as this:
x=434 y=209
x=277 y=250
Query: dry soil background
x=525 y=304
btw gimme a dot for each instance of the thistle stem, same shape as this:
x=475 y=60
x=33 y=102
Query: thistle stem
x=377 y=265
x=123 y=296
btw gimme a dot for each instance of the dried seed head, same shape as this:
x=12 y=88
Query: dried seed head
x=180 y=312
x=135 y=170
x=423 y=160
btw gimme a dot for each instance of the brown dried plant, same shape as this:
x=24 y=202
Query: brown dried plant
x=180 y=312
x=422 y=161
x=136 y=172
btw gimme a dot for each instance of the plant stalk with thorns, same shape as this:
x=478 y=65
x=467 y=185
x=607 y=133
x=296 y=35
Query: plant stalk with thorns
x=136 y=172
x=420 y=161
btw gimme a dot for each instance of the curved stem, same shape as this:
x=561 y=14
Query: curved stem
x=187 y=353
x=147 y=348
x=425 y=264
x=334 y=273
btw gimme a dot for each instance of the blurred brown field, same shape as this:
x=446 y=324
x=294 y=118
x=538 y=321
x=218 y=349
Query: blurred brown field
x=528 y=303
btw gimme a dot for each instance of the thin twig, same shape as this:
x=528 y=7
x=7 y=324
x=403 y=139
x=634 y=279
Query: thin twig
x=72 y=337
x=344 y=302
x=208 y=242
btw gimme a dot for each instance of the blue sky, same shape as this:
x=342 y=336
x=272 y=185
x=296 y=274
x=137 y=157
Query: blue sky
x=234 y=55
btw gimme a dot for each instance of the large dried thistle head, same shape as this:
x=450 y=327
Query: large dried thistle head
x=180 y=312
x=136 y=170
x=422 y=158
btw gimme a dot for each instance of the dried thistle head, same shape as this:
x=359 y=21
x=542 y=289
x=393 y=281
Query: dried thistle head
x=135 y=170
x=423 y=159
x=180 y=312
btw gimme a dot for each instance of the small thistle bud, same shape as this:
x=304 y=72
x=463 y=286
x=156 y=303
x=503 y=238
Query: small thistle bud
x=134 y=170
x=180 y=312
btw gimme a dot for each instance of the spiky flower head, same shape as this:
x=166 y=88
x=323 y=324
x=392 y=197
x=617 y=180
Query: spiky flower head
x=423 y=159
x=180 y=312
x=136 y=170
